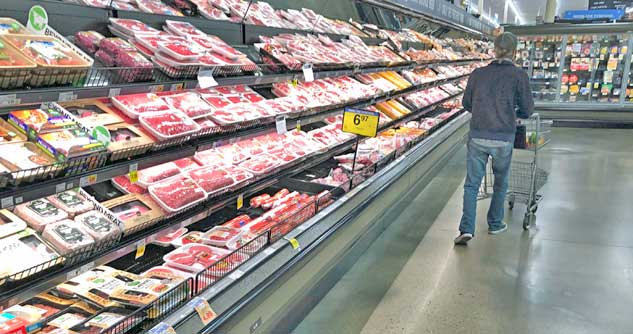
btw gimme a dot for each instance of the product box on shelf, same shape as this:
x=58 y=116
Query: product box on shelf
x=11 y=26
x=33 y=122
x=25 y=250
x=9 y=134
x=135 y=211
x=127 y=140
x=66 y=144
x=92 y=112
x=24 y=156
x=15 y=67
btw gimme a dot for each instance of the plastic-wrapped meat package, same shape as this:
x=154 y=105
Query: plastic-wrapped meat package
x=168 y=124
x=183 y=28
x=239 y=174
x=71 y=202
x=223 y=117
x=67 y=236
x=216 y=101
x=135 y=104
x=186 y=164
x=286 y=156
x=227 y=51
x=151 y=175
x=157 y=7
x=166 y=239
x=141 y=67
x=238 y=221
x=232 y=154
x=261 y=164
x=190 y=103
x=39 y=213
x=223 y=236
x=88 y=40
x=98 y=226
x=149 y=42
x=211 y=157
x=123 y=184
x=196 y=258
x=212 y=179
x=106 y=58
x=133 y=27
x=115 y=45
x=193 y=237
x=181 y=50
x=177 y=193
x=206 y=123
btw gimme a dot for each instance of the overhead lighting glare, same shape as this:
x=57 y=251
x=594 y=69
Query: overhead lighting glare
x=516 y=11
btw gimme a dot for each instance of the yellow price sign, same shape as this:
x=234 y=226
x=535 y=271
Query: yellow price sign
x=294 y=82
x=294 y=243
x=134 y=176
x=240 y=201
x=360 y=122
x=140 y=250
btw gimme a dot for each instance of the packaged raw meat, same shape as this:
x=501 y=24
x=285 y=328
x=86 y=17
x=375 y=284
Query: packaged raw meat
x=11 y=26
x=183 y=28
x=135 y=211
x=195 y=257
x=149 y=42
x=15 y=67
x=105 y=58
x=223 y=236
x=72 y=202
x=186 y=164
x=206 y=123
x=157 y=7
x=127 y=140
x=40 y=212
x=88 y=40
x=141 y=67
x=133 y=27
x=190 y=103
x=47 y=51
x=92 y=112
x=135 y=104
x=261 y=164
x=22 y=251
x=98 y=226
x=152 y=175
x=168 y=124
x=115 y=46
x=257 y=201
x=69 y=144
x=111 y=317
x=211 y=157
x=172 y=275
x=212 y=179
x=181 y=50
x=166 y=239
x=238 y=221
x=67 y=236
x=177 y=193
x=192 y=237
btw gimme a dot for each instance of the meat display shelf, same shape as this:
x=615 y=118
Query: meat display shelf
x=230 y=294
x=20 y=194
x=51 y=278
x=10 y=99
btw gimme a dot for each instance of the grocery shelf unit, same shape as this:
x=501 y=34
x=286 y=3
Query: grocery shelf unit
x=274 y=259
x=579 y=73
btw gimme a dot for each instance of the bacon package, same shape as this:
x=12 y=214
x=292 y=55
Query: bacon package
x=39 y=213
x=67 y=236
x=168 y=124
x=177 y=193
x=135 y=104
x=72 y=202
x=98 y=226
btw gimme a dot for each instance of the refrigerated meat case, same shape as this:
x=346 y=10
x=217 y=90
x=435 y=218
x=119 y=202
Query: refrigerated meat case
x=275 y=255
x=579 y=71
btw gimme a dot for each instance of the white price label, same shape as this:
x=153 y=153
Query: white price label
x=88 y=180
x=280 y=124
x=60 y=187
x=308 y=74
x=206 y=80
x=8 y=100
x=66 y=96
x=69 y=185
x=19 y=200
x=236 y=275
x=156 y=88
x=6 y=202
x=114 y=92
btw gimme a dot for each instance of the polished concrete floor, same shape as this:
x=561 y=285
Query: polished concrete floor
x=572 y=273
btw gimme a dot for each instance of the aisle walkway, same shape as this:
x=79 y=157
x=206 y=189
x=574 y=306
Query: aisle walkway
x=572 y=274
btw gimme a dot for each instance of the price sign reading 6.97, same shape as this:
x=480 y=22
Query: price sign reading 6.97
x=360 y=122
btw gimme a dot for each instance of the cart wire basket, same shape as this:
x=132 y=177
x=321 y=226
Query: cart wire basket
x=526 y=178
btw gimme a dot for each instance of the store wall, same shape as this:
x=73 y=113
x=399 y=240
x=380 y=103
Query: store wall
x=338 y=9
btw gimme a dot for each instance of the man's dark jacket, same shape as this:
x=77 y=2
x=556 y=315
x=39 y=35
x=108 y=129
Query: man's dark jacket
x=496 y=94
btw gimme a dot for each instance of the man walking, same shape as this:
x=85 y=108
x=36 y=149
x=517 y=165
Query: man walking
x=492 y=96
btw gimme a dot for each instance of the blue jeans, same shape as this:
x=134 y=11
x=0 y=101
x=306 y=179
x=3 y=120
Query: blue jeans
x=478 y=152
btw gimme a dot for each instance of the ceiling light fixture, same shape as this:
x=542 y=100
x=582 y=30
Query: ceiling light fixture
x=516 y=11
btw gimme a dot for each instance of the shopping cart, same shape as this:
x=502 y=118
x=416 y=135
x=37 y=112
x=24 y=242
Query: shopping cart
x=526 y=177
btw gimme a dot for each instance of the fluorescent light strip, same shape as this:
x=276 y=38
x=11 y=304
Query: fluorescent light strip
x=514 y=8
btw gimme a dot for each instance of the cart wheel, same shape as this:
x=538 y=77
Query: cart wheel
x=528 y=220
x=511 y=205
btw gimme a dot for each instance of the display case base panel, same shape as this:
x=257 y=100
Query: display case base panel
x=276 y=294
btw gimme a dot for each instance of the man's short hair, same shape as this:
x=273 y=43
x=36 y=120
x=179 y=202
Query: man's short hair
x=505 y=45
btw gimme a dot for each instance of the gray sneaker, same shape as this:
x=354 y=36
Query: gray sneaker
x=499 y=230
x=463 y=239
